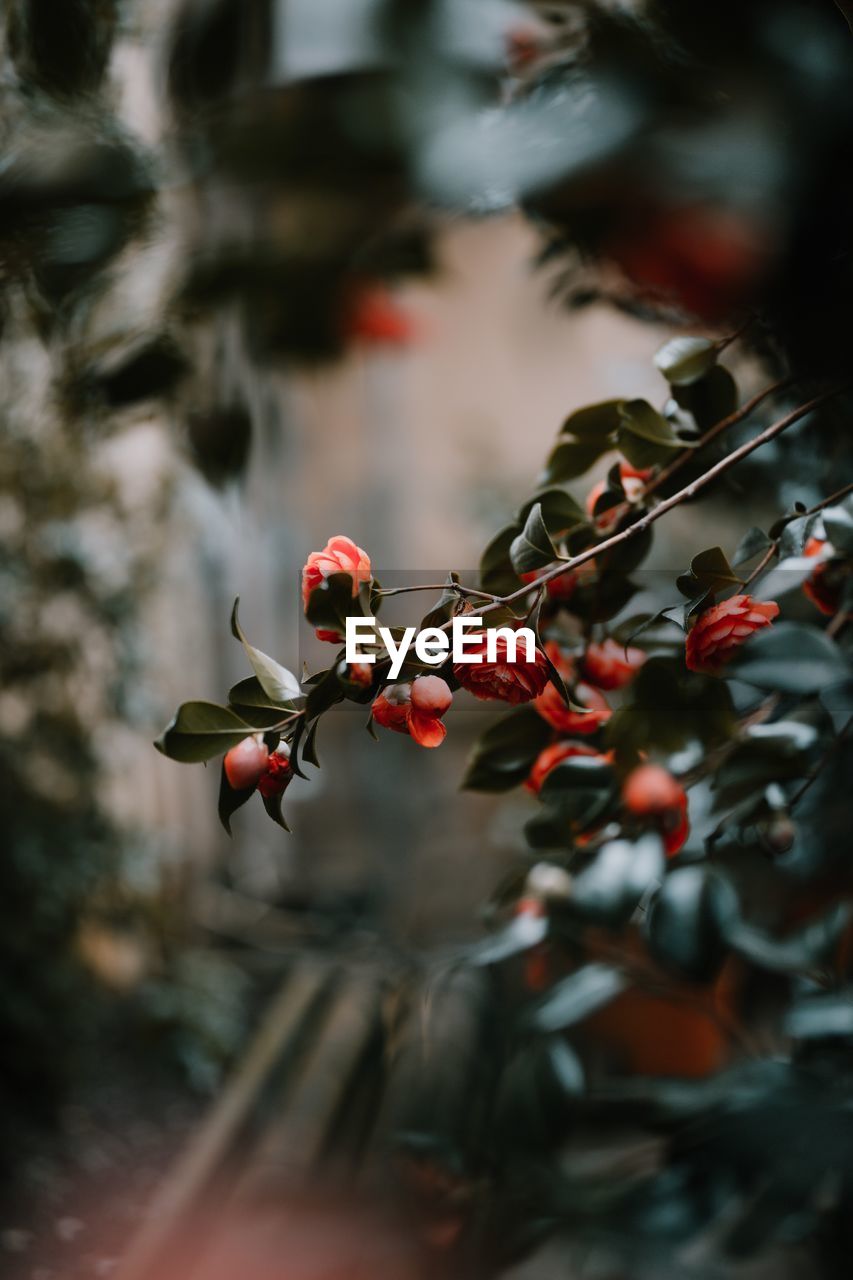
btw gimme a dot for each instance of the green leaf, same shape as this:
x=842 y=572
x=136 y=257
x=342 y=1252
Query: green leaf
x=446 y=606
x=506 y=752
x=272 y=804
x=248 y=699
x=709 y=400
x=277 y=682
x=332 y=602
x=324 y=694
x=577 y=773
x=667 y=707
x=790 y=657
x=710 y=571
x=838 y=701
x=576 y=997
x=496 y=572
x=533 y=548
x=201 y=730
x=683 y=361
x=230 y=800
x=753 y=542
x=594 y=422
x=572 y=458
x=560 y=511
x=838 y=526
x=642 y=453
x=638 y=417
x=309 y=751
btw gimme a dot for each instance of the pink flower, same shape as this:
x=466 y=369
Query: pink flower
x=722 y=629
x=513 y=682
x=416 y=709
x=610 y=666
x=340 y=555
x=652 y=792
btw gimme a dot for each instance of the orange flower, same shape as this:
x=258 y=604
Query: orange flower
x=277 y=776
x=245 y=763
x=611 y=666
x=651 y=792
x=340 y=555
x=554 y=755
x=723 y=628
x=513 y=682
x=551 y=707
x=374 y=317
x=415 y=709
x=817 y=588
x=605 y=521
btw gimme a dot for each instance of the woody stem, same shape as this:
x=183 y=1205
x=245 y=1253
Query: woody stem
x=689 y=491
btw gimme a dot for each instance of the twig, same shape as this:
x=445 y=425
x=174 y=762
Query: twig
x=455 y=586
x=689 y=491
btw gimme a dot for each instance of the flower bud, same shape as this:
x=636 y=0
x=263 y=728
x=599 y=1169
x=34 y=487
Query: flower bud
x=245 y=763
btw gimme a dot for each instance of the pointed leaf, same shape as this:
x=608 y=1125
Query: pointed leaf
x=505 y=753
x=577 y=996
x=277 y=682
x=753 y=542
x=838 y=526
x=572 y=458
x=686 y=360
x=638 y=417
x=201 y=730
x=594 y=422
x=272 y=804
x=790 y=657
x=230 y=800
x=533 y=548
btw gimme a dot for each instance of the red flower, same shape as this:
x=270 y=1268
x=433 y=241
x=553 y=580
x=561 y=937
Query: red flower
x=604 y=521
x=245 y=763
x=722 y=629
x=375 y=318
x=611 y=666
x=551 y=707
x=651 y=792
x=513 y=682
x=554 y=755
x=340 y=555
x=415 y=709
x=277 y=776
x=818 y=588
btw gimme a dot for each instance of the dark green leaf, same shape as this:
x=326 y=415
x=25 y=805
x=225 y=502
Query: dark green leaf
x=496 y=572
x=577 y=773
x=446 y=606
x=753 y=542
x=505 y=753
x=576 y=997
x=838 y=526
x=790 y=657
x=608 y=890
x=683 y=361
x=332 y=602
x=838 y=700
x=279 y=684
x=639 y=418
x=710 y=571
x=594 y=422
x=272 y=804
x=248 y=699
x=533 y=548
x=560 y=511
x=324 y=694
x=709 y=400
x=309 y=751
x=230 y=800
x=522 y=933
x=642 y=453
x=201 y=730
x=684 y=925
x=570 y=459
x=795 y=952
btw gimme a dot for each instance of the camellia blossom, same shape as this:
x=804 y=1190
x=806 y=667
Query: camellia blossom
x=650 y=791
x=722 y=629
x=245 y=763
x=553 y=755
x=415 y=708
x=552 y=708
x=610 y=665
x=513 y=682
x=634 y=480
x=340 y=555
x=277 y=775
x=374 y=317
x=817 y=588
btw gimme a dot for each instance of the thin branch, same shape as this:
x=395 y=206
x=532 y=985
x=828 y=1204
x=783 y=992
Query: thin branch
x=455 y=586
x=689 y=491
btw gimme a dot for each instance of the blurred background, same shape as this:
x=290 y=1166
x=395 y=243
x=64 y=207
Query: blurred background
x=192 y=402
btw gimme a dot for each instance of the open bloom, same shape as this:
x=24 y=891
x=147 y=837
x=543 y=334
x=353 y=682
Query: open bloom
x=552 y=708
x=277 y=775
x=610 y=665
x=650 y=791
x=819 y=587
x=550 y=757
x=416 y=709
x=245 y=763
x=722 y=629
x=340 y=555
x=513 y=682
